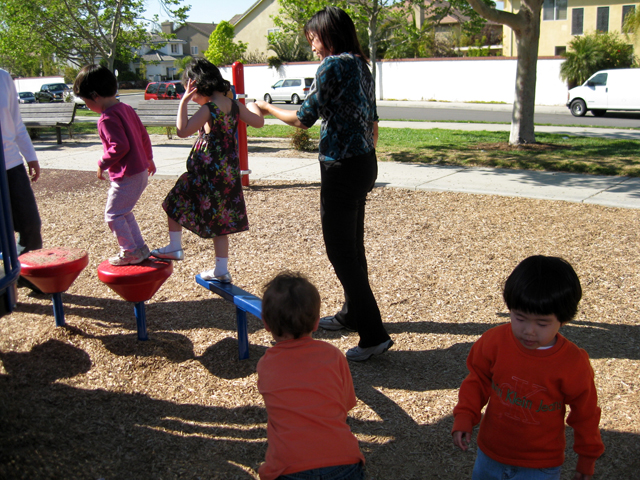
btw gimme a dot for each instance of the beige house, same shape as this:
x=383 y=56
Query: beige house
x=253 y=26
x=196 y=36
x=564 y=19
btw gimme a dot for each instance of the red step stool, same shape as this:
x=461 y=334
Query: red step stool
x=137 y=284
x=53 y=271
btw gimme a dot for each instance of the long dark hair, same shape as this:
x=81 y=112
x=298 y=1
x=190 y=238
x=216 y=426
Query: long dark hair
x=206 y=76
x=336 y=31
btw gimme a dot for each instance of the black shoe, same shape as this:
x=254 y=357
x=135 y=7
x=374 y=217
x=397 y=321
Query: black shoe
x=24 y=283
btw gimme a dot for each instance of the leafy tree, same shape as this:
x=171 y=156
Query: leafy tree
x=408 y=40
x=632 y=23
x=78 y=31
x=222 y=49
x=181 y=63
x=526 y=27
x=289 y=47
x=589 y=53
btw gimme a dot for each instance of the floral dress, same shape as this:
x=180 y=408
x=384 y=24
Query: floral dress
x=208 y=198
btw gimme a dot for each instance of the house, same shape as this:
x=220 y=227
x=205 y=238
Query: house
x=253 y=26
x=564 y=19
x=196 y=35
x=191 y=39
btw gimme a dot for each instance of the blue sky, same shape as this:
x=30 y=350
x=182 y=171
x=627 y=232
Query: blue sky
x=205 y=11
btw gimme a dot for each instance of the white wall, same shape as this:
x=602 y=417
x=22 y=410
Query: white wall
x=446 y=80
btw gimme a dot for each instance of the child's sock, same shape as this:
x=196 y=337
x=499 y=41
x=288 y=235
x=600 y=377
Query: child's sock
x=175 y=240
x=221 y=266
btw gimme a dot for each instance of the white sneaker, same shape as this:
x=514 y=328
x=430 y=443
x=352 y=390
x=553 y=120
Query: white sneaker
x=127 y=257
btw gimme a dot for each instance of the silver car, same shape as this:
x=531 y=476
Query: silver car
x=289 y=90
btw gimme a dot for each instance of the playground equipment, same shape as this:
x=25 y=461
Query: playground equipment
x=137 y=284
x=237 y=70
x=53 y=270
x=11 y=267
x=244 y=302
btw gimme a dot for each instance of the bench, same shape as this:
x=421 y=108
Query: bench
x=162 y=113
x=244 y=302
x=47 y=115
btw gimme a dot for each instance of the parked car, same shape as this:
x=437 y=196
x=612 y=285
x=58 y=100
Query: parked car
x=606 y=90
x=26 y=97
x=169 y=90
x=72 y=97
x=293 y=90
x=51 y=92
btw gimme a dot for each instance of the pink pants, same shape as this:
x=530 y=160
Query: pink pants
x=123 y=196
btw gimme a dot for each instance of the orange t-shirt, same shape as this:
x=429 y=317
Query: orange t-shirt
x=308 y=391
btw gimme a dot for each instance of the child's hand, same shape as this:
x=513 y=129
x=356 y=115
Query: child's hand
x=190 y=90
x=152 y=168
x=100 y=173
x=582 y=476
x=462 y=440
x=263 y=106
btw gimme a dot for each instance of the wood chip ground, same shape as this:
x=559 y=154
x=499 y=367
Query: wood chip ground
x=89 y=401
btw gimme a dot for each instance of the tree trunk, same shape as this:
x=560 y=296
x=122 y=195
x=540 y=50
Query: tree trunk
x=522 y=116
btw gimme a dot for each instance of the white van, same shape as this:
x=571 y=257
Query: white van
x=606 y=90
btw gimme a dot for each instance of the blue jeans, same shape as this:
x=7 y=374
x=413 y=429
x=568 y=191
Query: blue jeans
x=488 y=469
x=341 y=472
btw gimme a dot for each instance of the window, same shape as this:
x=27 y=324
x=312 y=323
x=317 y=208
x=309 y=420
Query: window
x=626 y=10
x=598 y=80
x=577 y=21
x=194 y=50
x=272 y=30
x=602 y=22
x=554 y=10
x=560 y=51
x=278 y=84
x=174 y=48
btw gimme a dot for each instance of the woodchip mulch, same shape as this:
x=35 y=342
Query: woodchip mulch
x=90 y=401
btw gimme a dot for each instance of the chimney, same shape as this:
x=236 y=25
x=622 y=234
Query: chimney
x=167 y=27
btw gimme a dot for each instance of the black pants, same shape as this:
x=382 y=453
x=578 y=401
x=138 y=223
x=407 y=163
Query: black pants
x=26 y=219
x=343 y=194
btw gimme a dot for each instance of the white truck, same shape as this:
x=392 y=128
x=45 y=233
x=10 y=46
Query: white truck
x=606 y=90
x=33 y=84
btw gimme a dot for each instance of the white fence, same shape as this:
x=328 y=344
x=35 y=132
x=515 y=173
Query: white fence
x=490 y=79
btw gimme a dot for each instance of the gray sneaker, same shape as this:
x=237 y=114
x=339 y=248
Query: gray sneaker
x=145 y=252
x=332 y=323
x=359 y=354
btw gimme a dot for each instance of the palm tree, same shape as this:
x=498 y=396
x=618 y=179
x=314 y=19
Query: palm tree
x=582 y=60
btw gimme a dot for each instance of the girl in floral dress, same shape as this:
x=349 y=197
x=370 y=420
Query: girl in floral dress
x=208 y=198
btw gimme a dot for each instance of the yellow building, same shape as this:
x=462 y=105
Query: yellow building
x=564 y=19
x=253 y=26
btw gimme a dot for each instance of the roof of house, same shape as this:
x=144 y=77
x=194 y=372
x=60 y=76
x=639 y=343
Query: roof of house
x=204 y=28
x=157 y=56
x=236 y=18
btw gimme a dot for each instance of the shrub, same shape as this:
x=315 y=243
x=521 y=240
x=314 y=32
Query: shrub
x=301 y=141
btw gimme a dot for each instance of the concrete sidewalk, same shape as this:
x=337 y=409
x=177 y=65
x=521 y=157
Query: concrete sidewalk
x=171 y=158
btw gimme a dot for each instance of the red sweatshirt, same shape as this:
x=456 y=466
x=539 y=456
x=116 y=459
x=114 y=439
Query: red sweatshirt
x=527 y=391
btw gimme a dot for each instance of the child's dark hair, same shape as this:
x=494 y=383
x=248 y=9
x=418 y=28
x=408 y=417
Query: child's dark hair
x=95 y=80
x=336 y=31
x=290 y=305
x=542 y=285
x=206 y=77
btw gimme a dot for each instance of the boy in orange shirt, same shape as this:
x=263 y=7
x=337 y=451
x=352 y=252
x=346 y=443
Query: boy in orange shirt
x=307 y=389
x=528 y=372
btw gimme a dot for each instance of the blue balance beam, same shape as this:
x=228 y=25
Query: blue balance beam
x=244 y=302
